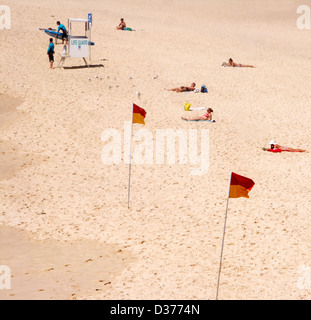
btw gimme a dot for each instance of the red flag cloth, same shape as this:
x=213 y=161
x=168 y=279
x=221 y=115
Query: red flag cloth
x=240 y=186
x=139 y=114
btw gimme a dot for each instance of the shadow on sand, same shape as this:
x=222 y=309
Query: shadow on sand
x=86 y=66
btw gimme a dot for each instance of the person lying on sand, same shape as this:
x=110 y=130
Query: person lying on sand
x=206 y=116
x=183 y=88
x=274 y=147
x=231 y=63
x=121 y=25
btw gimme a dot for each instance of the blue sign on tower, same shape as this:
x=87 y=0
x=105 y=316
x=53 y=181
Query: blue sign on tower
x=90 y=18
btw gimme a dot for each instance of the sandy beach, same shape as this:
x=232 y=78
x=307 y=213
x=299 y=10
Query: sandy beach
x=65 y=229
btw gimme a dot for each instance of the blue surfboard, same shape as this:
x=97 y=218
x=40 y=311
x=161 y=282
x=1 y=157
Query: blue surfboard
x=53 y=33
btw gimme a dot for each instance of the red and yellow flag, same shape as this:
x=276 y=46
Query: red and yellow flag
x=240 y=186
x=139 y=114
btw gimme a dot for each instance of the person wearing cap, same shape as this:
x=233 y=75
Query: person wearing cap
x=274 y=147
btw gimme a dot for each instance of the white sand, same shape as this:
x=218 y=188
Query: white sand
x=50 y=269
x=174 y=226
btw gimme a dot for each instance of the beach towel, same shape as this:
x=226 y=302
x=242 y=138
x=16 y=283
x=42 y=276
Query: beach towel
x=188 y=107
x=199 y=108
x=225 y=64
x=198 y=120
x=278 y=150
x=273 y=150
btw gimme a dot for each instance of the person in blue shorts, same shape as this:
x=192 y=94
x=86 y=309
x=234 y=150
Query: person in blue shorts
x=63 y=30
x=122 y=25
x=50 y=53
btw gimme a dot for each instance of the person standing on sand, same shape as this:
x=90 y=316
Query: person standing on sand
x=51 y=52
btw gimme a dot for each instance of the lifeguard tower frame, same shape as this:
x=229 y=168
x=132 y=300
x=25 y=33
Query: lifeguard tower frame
x=79 y=46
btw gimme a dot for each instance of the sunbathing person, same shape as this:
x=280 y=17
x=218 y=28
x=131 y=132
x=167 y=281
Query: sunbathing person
x=274 y=147
x=206 y=116
x=183 y=88
x=122 y=25
x=231 y=63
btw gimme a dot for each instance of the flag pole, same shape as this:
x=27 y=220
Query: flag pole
x=223 y=238
x=130 y=162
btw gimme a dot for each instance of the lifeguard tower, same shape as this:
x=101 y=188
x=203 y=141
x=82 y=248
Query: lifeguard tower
x=78 y=46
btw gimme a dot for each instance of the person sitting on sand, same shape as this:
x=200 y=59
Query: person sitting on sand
x=183 y=88
x=231 y=63
x=121 y=25
x=206 y=116
x=274 y=147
